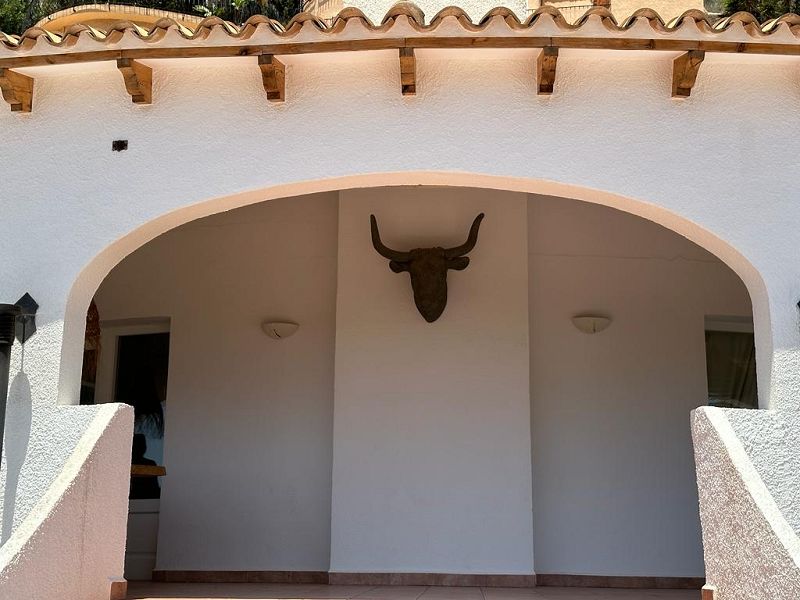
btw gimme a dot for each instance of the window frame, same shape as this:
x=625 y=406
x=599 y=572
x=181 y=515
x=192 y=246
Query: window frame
x=734 y=324
x=110 y=332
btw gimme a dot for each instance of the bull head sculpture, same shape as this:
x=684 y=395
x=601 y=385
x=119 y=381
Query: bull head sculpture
x=428 y=268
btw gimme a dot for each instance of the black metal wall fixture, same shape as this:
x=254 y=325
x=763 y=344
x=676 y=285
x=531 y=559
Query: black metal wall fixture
x=17 y=321
x=26 y=322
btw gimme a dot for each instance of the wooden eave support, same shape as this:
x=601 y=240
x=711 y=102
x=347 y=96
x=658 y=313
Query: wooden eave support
x=273 y=76
x=684 y=72
x=408 y=72
x=138 y=80
x=17 y=90
x=709 y=592
x=546 y=70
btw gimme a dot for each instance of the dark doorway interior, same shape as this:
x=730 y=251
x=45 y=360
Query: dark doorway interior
x=141 y=381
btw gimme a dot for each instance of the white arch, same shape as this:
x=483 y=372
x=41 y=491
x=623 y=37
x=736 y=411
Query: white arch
x=93 y=274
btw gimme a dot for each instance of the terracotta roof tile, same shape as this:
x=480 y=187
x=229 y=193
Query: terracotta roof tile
x=406 y=21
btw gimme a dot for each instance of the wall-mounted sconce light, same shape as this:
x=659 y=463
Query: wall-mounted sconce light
x=279 y=330
x=591 y=323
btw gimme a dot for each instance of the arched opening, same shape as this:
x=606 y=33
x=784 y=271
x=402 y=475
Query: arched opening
x=93 y=274
x=352 y=427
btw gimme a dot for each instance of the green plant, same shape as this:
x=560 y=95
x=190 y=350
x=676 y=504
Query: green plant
x=763 y=10
x=18 y=15
x=14 y=17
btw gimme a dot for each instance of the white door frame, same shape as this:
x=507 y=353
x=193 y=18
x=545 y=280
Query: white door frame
x=110 y=332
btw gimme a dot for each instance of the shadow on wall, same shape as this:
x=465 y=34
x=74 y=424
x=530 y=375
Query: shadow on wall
x=17 y=435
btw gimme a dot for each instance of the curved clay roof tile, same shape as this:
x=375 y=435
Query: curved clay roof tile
x=509 y=16
x=351 y=13
x=306 y=17
x=409 y=9
x=791 y=20
x=547 y=10
x=9 y=40
x=606 y=16
x=34 y=33
x=596 y=20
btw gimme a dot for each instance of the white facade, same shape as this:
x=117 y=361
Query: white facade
x=73 y=210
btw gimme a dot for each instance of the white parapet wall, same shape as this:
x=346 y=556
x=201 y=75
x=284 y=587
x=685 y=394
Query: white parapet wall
x=70 y=546
x=751 y=550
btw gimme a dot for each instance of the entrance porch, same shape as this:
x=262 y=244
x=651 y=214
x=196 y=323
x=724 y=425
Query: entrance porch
x=254 y=591
x=376 y=443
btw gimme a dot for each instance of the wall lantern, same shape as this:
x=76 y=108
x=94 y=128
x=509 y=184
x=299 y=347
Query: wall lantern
x=591 y=323
x=279 y=330
x=26 y=323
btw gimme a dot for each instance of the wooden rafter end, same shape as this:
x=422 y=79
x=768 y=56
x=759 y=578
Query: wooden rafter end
x=138 y=80
x=684 y=72
x=17 y=90
x=408 y=72
x=546 y=70
x=273 y=76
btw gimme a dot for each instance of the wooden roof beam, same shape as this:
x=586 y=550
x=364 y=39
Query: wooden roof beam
x=273 y=76
x=684 y=72
x=156 y=51
x=546 y=70
x=408 y=72
x=138 y=80
x=17 y=90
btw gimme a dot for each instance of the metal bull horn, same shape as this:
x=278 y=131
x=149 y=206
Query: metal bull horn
x=428 y=268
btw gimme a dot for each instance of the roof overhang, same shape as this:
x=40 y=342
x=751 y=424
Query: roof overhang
x=404 y=29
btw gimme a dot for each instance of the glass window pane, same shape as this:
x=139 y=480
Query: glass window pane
x=731 y=369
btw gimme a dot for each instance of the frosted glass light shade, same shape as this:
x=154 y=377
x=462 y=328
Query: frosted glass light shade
x=279 y=330
x=591 y=323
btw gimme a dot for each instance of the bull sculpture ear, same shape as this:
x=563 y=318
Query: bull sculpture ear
x=458 y=264
x=398 y=267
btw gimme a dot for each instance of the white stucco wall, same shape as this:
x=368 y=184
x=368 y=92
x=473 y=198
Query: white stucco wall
x=249 y=419
x=39 y=436
x=751 y=549
x=614 y=484
x=431 y=469
x=492 y=90
x=771 y=440
x=71 y=544
x=73 y=208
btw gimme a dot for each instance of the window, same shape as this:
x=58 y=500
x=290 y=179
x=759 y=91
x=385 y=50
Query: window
x=731 y=363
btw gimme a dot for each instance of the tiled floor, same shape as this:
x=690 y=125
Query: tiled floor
x=255 y=591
